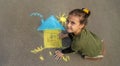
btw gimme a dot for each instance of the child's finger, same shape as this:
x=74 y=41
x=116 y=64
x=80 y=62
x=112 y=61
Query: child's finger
x=59 y=60
x=59 y=35
x=57 y=57
x=57 y=51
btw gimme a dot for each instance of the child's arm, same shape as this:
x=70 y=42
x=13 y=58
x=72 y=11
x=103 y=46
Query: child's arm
x=67 y=50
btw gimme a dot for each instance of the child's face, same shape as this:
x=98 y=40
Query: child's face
x=73 y=24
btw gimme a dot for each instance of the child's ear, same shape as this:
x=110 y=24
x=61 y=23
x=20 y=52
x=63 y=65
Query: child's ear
x=81 y=26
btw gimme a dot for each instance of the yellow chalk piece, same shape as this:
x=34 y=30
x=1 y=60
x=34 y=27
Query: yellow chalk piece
x=51 y=39
x=41 y=48
x=65 y=59
x=50 y=53
x=32 y=51
x=41 y=58
x=38 y=49
x=68 y=57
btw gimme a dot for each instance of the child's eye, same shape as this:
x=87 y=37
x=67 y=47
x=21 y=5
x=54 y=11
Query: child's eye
x=72 y=22
x=67 y=21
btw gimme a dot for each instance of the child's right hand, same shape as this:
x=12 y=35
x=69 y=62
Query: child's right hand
x=61 y=35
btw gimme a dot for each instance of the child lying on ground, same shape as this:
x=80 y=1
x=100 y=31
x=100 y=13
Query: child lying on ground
x=84 y=42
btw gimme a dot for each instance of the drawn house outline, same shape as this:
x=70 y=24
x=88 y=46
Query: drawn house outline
x=51 y=28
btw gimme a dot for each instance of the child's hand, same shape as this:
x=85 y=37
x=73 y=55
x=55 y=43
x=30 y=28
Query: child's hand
x=61 y=35
x=58 y=55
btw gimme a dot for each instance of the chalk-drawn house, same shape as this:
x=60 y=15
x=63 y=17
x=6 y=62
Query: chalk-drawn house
x=51 y=28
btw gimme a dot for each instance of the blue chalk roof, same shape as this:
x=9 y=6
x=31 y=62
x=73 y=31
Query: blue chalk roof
x=50 y=23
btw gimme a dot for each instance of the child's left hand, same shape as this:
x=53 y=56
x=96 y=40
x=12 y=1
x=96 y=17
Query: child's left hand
x=58 y=55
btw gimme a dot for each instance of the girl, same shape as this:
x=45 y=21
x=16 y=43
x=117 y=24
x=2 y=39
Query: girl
x=84 y=42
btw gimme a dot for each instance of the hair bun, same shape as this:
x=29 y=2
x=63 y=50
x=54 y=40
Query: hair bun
x=87 y=11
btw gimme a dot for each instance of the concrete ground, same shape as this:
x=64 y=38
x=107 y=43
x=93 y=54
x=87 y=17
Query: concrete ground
x=18 y=34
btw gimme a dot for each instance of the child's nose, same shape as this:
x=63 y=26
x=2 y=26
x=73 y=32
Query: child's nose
x=68 y=24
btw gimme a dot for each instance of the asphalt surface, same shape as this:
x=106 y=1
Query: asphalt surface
x=18 y=34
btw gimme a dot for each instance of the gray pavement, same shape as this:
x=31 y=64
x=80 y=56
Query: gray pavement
x=18 y=34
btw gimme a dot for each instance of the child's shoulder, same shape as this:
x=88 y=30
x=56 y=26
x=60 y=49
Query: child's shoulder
x=87 y=33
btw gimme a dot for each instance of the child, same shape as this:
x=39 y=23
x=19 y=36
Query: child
x=84 y=42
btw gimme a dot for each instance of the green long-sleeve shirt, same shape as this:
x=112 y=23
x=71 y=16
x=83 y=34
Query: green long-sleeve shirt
x=87 y=43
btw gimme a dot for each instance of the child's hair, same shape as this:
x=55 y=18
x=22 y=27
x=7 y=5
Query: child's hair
x=83 y=13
